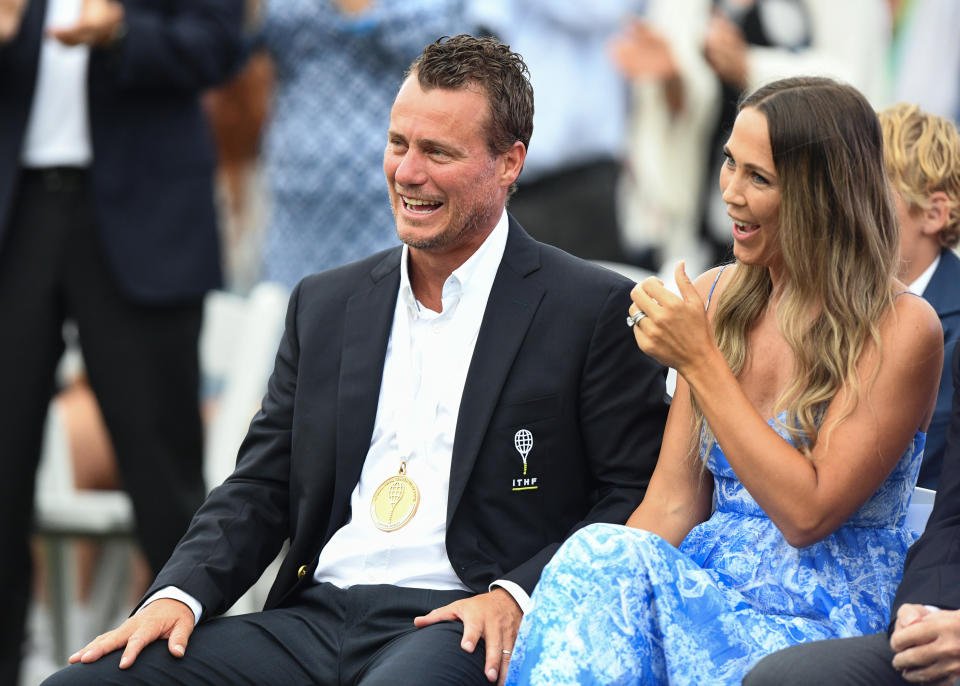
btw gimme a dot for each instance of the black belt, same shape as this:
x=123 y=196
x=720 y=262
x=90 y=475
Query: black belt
x=56 y=179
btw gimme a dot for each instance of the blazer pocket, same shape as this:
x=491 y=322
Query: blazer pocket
x=515 y=414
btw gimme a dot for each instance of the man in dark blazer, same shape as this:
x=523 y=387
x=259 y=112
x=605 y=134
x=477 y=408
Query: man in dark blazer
x=558 y=424
x=924 y=641
x=943 y=292
x=107 y=218
x=922 y=157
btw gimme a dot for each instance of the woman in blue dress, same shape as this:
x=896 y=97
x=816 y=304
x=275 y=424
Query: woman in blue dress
x=806 y=380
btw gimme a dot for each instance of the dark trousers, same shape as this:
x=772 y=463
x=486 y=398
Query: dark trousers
x=860 y=661
x=142 y=362
x=573 y=209
x=363 y=635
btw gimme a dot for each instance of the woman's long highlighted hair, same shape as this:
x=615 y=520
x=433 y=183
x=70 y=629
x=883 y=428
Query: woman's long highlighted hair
x=838 y=238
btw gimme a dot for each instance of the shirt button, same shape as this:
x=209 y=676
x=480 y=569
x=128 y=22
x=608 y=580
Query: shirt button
x=435 y=328
x=302 y=572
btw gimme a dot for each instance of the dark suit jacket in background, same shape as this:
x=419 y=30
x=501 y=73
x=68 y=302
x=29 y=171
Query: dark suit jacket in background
x=931 y=573
x=152 y=240
x=153 y=156
x=552 y=355
x=943 y=292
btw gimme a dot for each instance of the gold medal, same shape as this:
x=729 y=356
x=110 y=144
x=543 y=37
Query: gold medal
x=395 y=501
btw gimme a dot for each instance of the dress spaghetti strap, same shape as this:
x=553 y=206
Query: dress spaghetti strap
x=710 y=294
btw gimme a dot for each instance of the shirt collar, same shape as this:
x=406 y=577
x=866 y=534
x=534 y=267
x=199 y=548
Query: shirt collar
x=472 y=279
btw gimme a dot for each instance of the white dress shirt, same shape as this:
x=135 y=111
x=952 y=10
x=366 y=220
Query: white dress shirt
x=416 y=421
x=421 y=388
x=58 y=130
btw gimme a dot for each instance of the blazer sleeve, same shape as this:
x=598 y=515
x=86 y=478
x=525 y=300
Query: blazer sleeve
x=243 y=523
x=195 y=45
x=932 y=569
x=623 y=408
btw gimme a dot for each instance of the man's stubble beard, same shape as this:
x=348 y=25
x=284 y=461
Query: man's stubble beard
x=455 y=231
x=461 y=225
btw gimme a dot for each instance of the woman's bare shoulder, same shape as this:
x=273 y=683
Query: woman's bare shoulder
x=913 y=325
x=910 y=359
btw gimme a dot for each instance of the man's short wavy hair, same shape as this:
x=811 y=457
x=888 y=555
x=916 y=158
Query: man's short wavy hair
x=922 y=156
x=465 y=60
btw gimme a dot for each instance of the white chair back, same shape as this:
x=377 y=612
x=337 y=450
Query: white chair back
x=241 y=346
x=921 y=505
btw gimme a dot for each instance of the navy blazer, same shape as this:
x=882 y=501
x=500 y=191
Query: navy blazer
x=153 y=155
x=943 y=293
x=931 y=573
x=553 y=355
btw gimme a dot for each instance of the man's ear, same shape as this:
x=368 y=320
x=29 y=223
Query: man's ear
x=510 y=163
x=935 y=217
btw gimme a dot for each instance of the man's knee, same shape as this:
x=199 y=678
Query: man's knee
x=859 y=661
x=430 y=656
x=770 y=670
x=102 y=672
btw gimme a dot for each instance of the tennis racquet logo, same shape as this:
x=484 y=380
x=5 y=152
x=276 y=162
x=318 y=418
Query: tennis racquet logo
x=523 y=442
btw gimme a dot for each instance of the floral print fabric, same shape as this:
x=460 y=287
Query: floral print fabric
x=622 y=606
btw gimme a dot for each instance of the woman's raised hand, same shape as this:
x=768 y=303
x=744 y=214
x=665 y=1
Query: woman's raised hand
x=675 y=330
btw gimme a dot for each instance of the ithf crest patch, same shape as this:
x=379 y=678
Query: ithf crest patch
x=523 y=442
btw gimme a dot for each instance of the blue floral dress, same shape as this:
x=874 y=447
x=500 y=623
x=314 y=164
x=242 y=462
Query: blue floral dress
x=622 y=606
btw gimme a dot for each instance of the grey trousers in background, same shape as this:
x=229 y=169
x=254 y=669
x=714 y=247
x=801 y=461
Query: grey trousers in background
x=859 y=661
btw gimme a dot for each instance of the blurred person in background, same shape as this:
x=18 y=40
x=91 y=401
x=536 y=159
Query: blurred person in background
x=11 y=11
x=689 y=63
x=567 y=191
x=925 y=55
x=238 y=111
x=337 y=64
x=106 y=218
x=922 y=156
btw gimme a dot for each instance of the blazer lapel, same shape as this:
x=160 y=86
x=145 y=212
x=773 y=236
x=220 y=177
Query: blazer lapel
x=366 y=330
x=942 y=289
x=513 y=302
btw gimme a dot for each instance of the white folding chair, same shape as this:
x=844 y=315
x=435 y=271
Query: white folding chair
x=239 y=350
x=63 y=513
x=921 y=505
x=247 y=367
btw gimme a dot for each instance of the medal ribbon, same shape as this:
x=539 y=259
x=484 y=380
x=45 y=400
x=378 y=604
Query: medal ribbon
x=412 y=430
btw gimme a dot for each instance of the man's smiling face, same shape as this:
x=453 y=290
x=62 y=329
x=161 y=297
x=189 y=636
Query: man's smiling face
x=446 y=186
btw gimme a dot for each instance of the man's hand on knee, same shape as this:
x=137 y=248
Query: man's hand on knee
x=163 y=618
x=495 y=617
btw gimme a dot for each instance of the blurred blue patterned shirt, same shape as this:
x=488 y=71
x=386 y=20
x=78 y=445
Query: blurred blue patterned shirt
x=336 y=77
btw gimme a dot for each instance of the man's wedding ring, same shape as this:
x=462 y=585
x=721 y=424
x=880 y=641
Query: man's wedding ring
x=635 y=318
x=505 y=651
